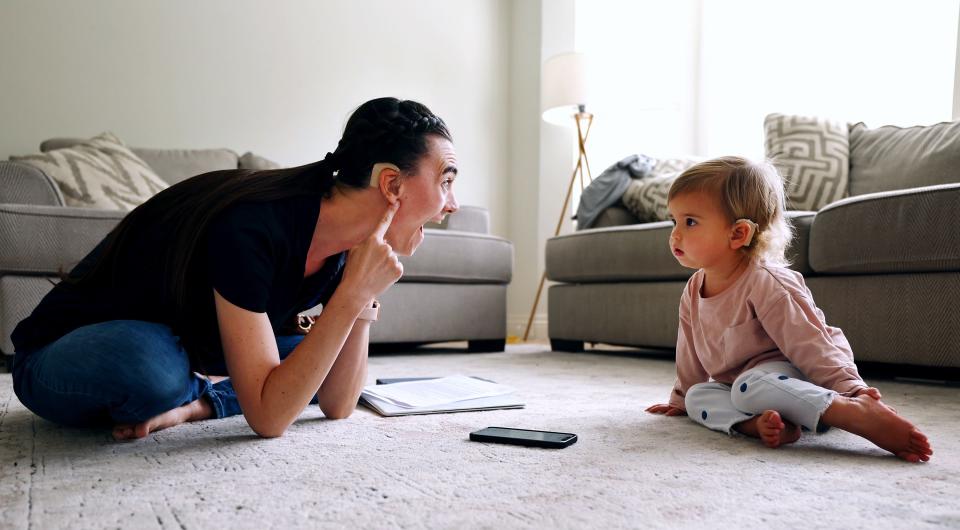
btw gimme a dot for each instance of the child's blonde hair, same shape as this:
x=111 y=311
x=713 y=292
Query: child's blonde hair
x=745 y=189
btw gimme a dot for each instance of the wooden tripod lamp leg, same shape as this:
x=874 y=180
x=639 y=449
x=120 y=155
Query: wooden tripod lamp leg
x=581 y=159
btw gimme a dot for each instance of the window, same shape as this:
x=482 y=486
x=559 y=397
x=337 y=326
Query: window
x=698 y=76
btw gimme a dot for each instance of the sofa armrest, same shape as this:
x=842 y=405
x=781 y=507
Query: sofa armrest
x=474 y=219
x=25 y=184
x=903 y=231
x=49 y=239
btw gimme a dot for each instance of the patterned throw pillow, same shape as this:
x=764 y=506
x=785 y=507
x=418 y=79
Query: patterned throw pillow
x=813 y=156
x=646 y=198
x=98 y=173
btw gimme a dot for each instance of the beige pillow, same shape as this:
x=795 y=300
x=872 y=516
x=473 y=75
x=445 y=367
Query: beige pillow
x=813 y=156
x=98 y=173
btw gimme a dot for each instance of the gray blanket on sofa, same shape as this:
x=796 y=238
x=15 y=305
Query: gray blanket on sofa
x=609 y=187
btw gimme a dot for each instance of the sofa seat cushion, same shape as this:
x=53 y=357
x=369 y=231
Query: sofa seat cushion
x=902 y=231
x=638 y=253
x=50 y=239
x=449 y=256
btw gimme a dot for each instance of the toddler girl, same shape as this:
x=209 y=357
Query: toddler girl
x=754 y=353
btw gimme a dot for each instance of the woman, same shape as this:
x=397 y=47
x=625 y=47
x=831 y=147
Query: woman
x=208 y=275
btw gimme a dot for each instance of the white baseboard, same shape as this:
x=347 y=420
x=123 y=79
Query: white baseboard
x=517 y=324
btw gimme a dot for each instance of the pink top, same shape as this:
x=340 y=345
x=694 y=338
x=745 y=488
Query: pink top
x=768 y=314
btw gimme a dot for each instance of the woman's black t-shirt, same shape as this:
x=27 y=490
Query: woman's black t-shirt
x=253 y=254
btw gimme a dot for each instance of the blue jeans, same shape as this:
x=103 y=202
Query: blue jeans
x=120 y=371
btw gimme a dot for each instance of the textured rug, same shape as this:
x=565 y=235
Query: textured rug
x=629 y=468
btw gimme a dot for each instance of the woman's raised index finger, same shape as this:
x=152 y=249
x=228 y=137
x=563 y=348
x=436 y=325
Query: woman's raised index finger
x=384 y=224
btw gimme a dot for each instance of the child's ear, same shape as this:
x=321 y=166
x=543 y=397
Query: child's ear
x=743 y=233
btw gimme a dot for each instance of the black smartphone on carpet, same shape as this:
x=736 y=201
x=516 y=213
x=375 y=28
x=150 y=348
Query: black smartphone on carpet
x=506 y=435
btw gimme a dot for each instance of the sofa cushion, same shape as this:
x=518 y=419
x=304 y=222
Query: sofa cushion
x=901 y=231
x=99 y=173
x=893 y=158
x=812 y=154
x=257 y=162
x=639 y=253
x=448 y=256
x=50 y=239
x=173 y=165
x=466 y=219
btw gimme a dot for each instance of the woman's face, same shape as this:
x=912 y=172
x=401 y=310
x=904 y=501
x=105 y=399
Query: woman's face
x=426 y=196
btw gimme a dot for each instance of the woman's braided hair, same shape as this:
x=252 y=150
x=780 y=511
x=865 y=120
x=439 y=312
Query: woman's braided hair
x=380 y=130
x=383 y=130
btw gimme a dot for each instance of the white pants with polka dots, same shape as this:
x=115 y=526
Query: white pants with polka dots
x=775 y=386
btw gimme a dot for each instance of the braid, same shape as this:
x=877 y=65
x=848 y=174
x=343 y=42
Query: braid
x=384 y=130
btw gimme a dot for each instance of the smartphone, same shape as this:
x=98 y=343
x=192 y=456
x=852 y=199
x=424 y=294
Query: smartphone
x=506 y=435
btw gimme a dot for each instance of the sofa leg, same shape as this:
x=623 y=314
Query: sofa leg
x=478 y=346
x=7 y=365
x=566 y=345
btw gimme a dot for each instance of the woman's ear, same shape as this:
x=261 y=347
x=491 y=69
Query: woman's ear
x=387 y=178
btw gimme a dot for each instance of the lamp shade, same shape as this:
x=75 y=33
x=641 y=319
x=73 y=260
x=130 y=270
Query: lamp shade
x=565 y=87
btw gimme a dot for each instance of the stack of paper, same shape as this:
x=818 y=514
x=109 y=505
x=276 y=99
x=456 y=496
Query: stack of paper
x=455 y=393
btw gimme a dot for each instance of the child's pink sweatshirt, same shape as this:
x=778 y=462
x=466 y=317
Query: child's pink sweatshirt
x=768 y=314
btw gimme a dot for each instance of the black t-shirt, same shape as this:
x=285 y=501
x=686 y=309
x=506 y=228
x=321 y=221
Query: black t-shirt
x=253 y=253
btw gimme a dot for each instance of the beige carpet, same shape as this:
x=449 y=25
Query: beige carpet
x=629 y=469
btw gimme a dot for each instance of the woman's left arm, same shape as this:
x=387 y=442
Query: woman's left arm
x=341 y=389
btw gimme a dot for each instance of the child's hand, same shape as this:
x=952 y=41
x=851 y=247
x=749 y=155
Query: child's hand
x=875 y=394
x=870 y=391
x=669 y=410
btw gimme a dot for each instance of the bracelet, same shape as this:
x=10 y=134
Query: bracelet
x=370 y=313
x=306 y=319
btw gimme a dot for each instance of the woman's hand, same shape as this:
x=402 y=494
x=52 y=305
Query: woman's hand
x=372 y=266
x=669 y=410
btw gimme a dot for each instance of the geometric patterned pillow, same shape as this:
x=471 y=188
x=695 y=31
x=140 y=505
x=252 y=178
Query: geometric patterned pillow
x=813 y=156
x=98 y=173
x=646 y=198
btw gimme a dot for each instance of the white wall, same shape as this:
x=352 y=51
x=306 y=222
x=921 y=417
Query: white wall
x=523 y=174
x=277 y=78
x=541 y=155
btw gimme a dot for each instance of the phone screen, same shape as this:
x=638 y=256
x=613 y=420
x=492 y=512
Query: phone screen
x=523 y=434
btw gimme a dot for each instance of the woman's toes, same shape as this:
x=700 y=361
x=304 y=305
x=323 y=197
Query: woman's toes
x=122 y=432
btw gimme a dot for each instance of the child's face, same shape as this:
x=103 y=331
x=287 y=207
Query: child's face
x=700 y=238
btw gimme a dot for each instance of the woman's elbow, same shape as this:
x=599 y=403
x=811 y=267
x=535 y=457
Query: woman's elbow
x=337 y=411
x=269 y=433
x=267 y=429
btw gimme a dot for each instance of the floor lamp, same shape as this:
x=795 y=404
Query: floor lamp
x=564 y=97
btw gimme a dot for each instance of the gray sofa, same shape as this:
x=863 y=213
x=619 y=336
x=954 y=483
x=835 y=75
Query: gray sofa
x=458 y=260
x=883 y=264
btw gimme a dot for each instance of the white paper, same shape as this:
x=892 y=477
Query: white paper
x=434 y=392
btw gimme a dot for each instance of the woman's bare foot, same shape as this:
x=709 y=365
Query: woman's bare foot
x=197 y=410
x=870 y=418
x=770 y=428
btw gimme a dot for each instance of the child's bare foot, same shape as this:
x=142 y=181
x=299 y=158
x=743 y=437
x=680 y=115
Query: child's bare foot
x=870 y=418
x=770 y=428
x=197 y=410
